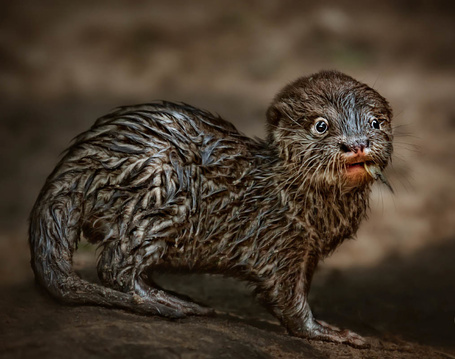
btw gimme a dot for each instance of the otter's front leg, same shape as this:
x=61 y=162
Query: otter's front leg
x=291 y=307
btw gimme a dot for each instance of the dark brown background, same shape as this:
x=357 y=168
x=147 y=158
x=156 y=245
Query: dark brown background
x=64 y=64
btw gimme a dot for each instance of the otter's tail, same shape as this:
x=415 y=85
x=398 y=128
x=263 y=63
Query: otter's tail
x=53 y=235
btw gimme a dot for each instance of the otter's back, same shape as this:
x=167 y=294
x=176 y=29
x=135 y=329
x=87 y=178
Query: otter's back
x=146 y=160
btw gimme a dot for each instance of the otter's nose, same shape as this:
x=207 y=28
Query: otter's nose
x=358 y=147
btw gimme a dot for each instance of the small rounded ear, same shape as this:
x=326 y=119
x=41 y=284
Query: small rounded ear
x=273 y=117
x=273 y=120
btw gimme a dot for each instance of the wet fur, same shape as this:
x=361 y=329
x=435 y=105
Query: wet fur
x=166 y=185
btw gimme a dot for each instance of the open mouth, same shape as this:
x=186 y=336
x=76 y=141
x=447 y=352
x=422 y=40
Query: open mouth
x=357 y=165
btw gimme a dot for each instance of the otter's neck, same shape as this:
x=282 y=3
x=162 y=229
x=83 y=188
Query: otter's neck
x=333 y=214
x=327 y=214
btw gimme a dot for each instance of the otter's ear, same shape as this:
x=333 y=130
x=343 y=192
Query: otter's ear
x=273 y=116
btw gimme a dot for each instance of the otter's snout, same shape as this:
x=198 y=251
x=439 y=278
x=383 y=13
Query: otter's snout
x=357 y=147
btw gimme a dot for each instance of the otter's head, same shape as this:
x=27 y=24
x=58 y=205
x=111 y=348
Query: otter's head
x=330 y=129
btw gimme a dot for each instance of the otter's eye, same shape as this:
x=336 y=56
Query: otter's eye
x=321 y=126
x=375 y=124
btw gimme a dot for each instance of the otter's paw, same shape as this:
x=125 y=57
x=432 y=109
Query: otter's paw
x=168 y=304
x=319 y=330
x=196 y=309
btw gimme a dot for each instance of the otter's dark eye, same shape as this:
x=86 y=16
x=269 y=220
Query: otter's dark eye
x=375 y=124
x=321 y=126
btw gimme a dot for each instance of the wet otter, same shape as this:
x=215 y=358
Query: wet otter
x=166 y=185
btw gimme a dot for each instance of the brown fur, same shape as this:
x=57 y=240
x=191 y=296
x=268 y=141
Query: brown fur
x=169 y=186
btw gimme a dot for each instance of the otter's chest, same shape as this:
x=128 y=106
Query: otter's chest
x=327 y=223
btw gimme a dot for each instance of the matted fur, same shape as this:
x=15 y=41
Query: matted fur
x=171 y=186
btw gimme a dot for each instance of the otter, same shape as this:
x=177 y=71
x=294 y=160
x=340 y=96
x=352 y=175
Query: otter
x=169 y=186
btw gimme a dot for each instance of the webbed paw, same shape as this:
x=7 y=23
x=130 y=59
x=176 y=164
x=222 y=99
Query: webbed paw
x=320 y=330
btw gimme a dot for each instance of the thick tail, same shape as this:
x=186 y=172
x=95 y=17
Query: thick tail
x=53 y=235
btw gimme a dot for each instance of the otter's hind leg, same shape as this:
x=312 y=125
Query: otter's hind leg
x=126 y=274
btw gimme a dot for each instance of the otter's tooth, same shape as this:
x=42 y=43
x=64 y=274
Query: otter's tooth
x=375 y=172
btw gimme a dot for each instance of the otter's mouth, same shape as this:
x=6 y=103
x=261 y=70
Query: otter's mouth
x=358 y=165
x=357 y=172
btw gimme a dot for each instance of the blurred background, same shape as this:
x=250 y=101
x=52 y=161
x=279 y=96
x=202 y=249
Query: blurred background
x=63 y=64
